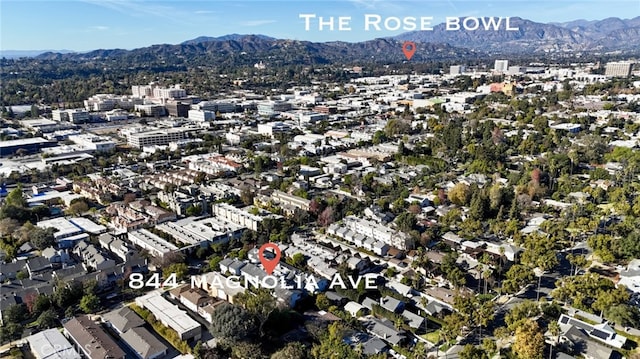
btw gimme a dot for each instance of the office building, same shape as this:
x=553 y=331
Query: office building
x=201 y=115
x=169 y=93
x=501 y=66
x=73 y=116
x=618 y=69
x=272 y=108
x=151 y=110
x=25 y=145
x=456 y=69
x=142 y=91
x=155 y=137
x=178 y=108
x=273 y=128
x=92 y=142
x=215 y=106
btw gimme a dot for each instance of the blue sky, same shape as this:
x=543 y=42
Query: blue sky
x=83 y=25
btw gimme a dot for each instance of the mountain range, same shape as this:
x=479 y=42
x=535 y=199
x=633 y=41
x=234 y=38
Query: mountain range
x=611 y=34
x=580 y=35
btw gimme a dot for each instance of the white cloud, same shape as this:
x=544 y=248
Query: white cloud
x=99 y=28
x=257 y=22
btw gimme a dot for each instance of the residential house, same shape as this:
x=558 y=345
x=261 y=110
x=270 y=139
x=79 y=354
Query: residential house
x=355 y=309
x=92 y=257
x=391 y=304
x=91 y=339
x=37 y=265
x=600 y=332
x=630 y=277
x=123 y=319
x=217 y=286
x=144 y=344
x=385 y=330
x=131 y=329
x=414 y=321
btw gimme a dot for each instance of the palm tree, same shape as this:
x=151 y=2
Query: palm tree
x=554 y=329
x=486 y=274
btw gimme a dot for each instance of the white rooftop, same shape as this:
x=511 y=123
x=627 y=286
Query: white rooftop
x=168 y=313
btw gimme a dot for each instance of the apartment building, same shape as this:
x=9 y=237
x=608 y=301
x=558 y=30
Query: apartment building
x=170 y=315
x=236 y=215
x=289 y=200
x=157 y=246
x=377 y=232
x=91 y=339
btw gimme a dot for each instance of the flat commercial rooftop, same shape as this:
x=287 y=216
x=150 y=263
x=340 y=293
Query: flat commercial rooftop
x=51 y=344
x=168 y=313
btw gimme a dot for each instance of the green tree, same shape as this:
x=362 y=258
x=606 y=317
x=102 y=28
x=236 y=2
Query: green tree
x=89 y=303
x=16 y=198
x=247 y=350
x=214 y=263
x=14 y=314
x=77 y=208
x=47 y=319
x=322 y=302
x=529 y=341
x=233 y=323
x=180 y=269
x=471 y=351
x=520 y=313
x=332 y=345
x=459 y=194
x=194 y=210
x=294 y=350
x=42 y=238
x=260 y=304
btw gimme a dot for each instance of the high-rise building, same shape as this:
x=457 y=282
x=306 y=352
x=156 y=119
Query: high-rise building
x=501 y=65
x=456 y=69
x=618 y=69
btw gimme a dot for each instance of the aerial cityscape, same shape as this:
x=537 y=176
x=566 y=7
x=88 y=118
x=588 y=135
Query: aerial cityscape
x=454 y=185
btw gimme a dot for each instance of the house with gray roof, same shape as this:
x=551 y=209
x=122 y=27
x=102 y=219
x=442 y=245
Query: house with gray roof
x=368 y=303
x=374 y=346
x=38 y=264
x=585 y=346
x=144 y=344
x=9 y=270
x=630 y=277
x=414 y=321
x=600 y=332
x=354 y=308
x=252 y=273
x=123 y=319
x=391 y=304
x=385 y=330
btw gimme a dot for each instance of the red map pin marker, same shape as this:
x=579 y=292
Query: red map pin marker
x=269 y=264
x=409 y=48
